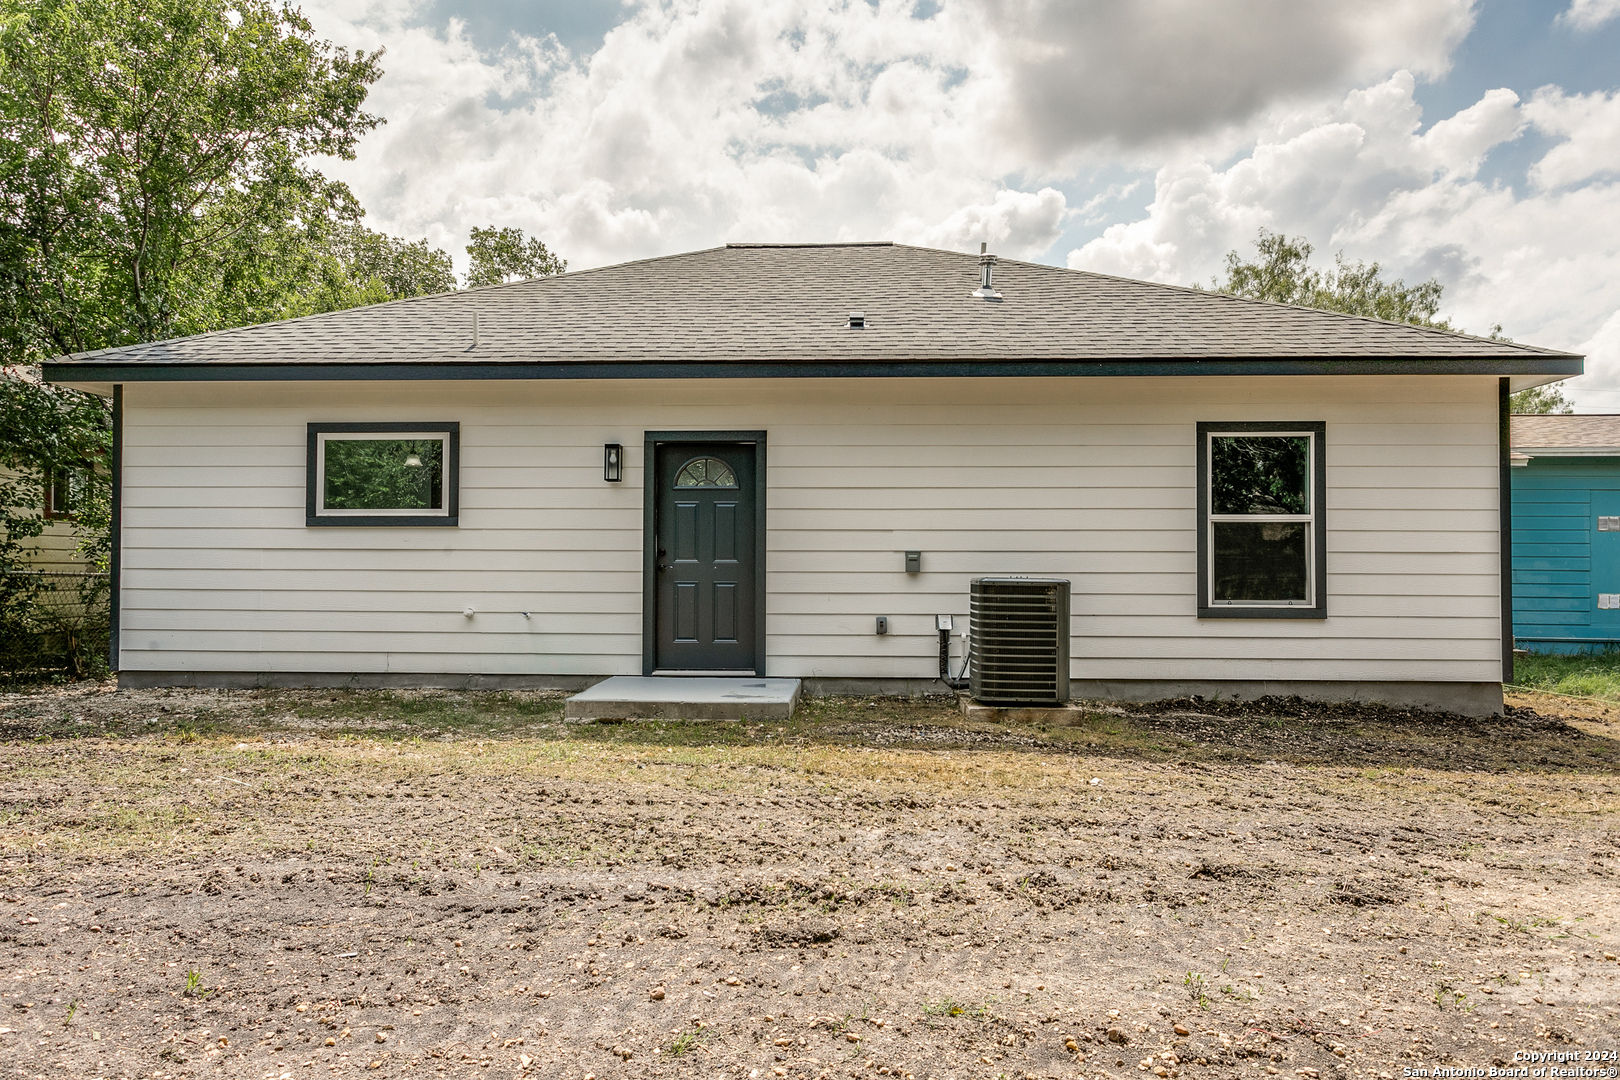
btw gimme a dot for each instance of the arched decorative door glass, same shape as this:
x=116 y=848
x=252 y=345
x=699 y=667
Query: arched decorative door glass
x=705 y=472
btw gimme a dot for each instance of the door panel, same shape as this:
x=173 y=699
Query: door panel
x=686 y=611
x=725 y=611
x=726 y=540
x=1605 y=562
x=686 y=531
x=704 y=519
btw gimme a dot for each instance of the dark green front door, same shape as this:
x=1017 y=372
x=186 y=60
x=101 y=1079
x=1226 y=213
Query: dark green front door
x=704 y=532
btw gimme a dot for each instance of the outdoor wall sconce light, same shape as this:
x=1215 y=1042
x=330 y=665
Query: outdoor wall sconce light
x=612 y=462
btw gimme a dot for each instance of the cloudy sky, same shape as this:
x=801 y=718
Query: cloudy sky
x=1475 y=142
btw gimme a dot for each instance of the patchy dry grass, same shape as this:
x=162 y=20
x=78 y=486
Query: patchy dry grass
x=1590 y=675
x=476 y=882
x=175 y=769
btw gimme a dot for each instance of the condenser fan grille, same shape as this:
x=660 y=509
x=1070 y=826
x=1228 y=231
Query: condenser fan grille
x=1020 y=641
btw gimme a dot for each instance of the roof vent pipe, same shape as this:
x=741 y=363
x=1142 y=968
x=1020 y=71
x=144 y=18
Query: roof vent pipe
x=987 y=269
x=475 y=329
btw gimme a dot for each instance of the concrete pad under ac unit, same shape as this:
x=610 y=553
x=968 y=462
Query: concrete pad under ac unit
x=655 y=697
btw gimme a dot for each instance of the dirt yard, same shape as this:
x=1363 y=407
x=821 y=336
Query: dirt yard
x=301 y=884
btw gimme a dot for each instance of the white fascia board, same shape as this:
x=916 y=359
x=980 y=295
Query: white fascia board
x=1567 y=451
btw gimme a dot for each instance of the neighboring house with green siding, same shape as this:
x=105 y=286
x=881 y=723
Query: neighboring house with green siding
x=1566 y=532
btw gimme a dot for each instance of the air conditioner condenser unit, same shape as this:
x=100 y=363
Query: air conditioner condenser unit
x=1020 y=641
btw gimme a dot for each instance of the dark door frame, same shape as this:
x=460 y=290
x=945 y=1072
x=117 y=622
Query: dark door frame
x=649 y=536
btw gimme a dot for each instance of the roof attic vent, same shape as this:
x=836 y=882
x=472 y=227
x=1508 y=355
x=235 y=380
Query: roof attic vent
x=987 y=270
x=857 y=320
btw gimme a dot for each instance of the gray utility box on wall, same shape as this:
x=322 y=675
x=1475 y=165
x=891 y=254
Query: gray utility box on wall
x=1020 y=641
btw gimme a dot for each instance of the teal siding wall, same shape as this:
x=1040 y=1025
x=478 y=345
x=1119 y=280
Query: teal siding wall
x=1560 y=561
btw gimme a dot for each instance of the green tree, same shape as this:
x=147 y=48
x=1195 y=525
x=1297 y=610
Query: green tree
x=1282 y=273
x=322 y=263
x=499 y=255
x=1541 y=399
x=155 y=180
x=140 y=140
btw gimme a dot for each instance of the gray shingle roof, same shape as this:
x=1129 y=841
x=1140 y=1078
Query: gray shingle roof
x=1587 y=431
x=747 y=302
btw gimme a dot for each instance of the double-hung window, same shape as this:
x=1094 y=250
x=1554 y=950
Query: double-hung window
x=383 y=474
x=1262 y=538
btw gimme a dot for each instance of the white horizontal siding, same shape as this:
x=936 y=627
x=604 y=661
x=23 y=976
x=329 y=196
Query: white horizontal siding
x=1088 y=479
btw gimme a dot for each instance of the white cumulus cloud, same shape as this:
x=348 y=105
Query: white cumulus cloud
x=1084 y=72
x=1599 y=389
x=1363 y=177
x=1588 y=124
x=1589 y=14
x=698 y=121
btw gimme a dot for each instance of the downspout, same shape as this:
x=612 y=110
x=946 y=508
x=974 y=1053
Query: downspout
x=1504 y=498
x=115 y=556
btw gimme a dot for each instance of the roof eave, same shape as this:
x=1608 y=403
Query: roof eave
x=109 y=372
x=1567 y=451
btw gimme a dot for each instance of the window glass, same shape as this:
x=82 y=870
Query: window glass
x=1259 y=474
x=58 y=501
x=706 y=472
x=1261 y=530
x=383 y=474
x=1260 y=561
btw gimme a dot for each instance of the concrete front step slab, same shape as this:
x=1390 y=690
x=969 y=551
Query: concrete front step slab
x=661 y=697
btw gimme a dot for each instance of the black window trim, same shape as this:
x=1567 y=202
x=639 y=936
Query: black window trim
x=1318 y=432
x=452 y=487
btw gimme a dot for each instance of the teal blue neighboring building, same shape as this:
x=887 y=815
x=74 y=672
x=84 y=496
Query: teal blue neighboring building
x=1566 y=533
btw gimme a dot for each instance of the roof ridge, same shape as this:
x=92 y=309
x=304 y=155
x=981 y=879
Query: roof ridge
x=817 y=244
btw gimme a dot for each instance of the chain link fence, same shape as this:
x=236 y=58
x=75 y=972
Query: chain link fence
x=53 y=624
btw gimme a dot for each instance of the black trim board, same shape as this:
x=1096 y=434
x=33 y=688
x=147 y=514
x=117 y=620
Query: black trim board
x=649 y=541
x=452 y=494
x=1504 y=502
x=156 y=371
x=115 y=560
x=1318 y=430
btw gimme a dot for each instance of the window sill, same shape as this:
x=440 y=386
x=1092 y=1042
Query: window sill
x=380 y=521
x=1262 y=613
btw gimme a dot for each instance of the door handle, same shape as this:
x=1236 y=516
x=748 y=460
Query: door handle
x=662 y=565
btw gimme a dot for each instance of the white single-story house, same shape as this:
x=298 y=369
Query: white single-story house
x=754 y=458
